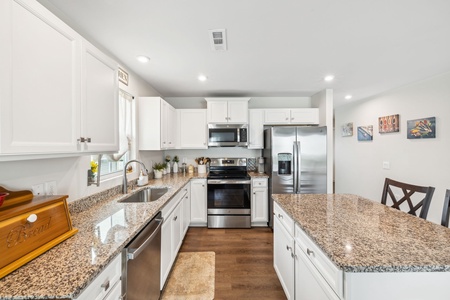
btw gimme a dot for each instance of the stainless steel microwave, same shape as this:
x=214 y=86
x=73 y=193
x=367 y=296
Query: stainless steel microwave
x=227 y=135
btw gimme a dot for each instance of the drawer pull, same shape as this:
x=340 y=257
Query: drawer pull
x=176 y=217
x=309 y=252
x=105 y=285
x=288 y=248
x=280 y=216
x=32 y=218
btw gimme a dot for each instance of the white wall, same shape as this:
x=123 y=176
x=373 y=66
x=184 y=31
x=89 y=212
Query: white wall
x=421 y=161
x=69 y=173
x=323 y=100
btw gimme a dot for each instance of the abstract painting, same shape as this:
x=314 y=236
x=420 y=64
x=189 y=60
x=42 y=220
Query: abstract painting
x=365 y=133
x=422 y=128
x=389 y=124
x=347 y=129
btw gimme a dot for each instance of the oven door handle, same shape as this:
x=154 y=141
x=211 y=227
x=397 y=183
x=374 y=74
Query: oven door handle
x=227 y=181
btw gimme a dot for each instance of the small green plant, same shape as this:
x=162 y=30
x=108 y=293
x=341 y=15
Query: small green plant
x=159 y=166
x=175 y=159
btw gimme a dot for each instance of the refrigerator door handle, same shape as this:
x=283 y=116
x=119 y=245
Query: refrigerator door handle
x=299 y=167
x=294 y=167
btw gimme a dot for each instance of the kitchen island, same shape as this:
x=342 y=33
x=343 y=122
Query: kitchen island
x=370 y=251
x=105 y=226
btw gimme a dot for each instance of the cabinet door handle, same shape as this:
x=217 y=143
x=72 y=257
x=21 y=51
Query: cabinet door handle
x=176 y=217
x=287 y=119
x=280 y=216
x=105 y=285
x=309 y=252
x=288 y=248
x=84 y=140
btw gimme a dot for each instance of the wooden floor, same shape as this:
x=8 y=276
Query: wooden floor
x=244 y=261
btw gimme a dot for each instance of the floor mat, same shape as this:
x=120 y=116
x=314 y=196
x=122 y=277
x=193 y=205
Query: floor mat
x=192 y=277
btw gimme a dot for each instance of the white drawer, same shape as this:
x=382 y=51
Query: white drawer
x=104 y=282
x=330 y=272
x=259 y=182
x=170 y=205
x=284 y=218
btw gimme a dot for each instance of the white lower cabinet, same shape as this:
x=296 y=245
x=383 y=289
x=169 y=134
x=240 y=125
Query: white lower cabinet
x=187 y=208
x=172 y=233
x=259 y=203
x=107 y=284
x=309 y=283
x=198 y=202
x=304 y=271
x=283 y=259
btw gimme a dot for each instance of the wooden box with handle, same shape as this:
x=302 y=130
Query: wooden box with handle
x=29 y=226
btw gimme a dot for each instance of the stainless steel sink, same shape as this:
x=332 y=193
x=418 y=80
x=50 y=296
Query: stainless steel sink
x=146 y=195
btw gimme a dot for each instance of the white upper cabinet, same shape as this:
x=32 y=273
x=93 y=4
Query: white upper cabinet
x=227 y=110
x=168 y=126
x=39 y=81
x=157 y=124
x=57 y=92
x=192 y=129
x=306 y=116
x=99 y=103
x=256 y=129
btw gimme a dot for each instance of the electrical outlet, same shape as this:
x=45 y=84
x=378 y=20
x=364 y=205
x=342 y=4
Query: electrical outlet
x=50 y=188
x=386 y=165
x=38 y=189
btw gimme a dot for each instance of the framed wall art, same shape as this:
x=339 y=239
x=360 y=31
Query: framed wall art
x=123 y=76
x=347 y=129
x=421 y=128
x=389 y=124
x=365 y=133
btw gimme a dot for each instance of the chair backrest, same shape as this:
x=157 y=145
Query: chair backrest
x=446 y=210
x=408 y=190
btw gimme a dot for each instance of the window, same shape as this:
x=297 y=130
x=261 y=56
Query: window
x=114 y=163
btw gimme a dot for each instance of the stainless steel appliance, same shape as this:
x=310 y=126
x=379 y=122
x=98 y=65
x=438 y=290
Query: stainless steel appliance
x=296 y=160
x=227 y=135
x=228 y=193
x=141 y=263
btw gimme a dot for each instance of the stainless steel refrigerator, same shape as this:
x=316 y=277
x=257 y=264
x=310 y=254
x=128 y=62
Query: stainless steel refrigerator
x=295 y=160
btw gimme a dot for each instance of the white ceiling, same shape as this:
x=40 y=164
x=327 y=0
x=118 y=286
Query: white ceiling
x=275 y=47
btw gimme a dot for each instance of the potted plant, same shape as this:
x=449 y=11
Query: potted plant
x=175 y=164
x=158 y=169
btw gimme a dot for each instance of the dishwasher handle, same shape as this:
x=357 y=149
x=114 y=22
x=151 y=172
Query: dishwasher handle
x=134 y=252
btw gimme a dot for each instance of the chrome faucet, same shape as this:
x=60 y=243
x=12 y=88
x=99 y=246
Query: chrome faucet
x=125 y=183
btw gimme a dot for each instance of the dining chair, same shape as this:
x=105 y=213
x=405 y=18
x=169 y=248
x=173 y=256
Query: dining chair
x=446 y=210
x=393 y=188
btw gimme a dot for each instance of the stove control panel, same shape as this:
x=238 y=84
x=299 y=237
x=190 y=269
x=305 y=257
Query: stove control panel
x=228 y=162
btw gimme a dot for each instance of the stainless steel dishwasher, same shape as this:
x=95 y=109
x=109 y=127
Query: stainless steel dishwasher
x=141 y=263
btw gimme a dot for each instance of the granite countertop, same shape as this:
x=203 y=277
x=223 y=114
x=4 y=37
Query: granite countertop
x=257 y=175
x=104 y=229
x=360 y=235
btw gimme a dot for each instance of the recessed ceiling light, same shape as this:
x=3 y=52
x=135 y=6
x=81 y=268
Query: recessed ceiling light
x=348 y=97
x=202 y=77
x=143 y=59
x=329 y=78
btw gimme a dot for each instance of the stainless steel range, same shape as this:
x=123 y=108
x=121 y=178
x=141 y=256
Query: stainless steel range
x=228 y=193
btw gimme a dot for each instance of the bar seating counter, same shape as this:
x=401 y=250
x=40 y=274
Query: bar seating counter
x=379 y=249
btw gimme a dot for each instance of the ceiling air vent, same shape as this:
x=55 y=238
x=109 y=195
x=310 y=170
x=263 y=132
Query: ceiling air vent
x=218 y=39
